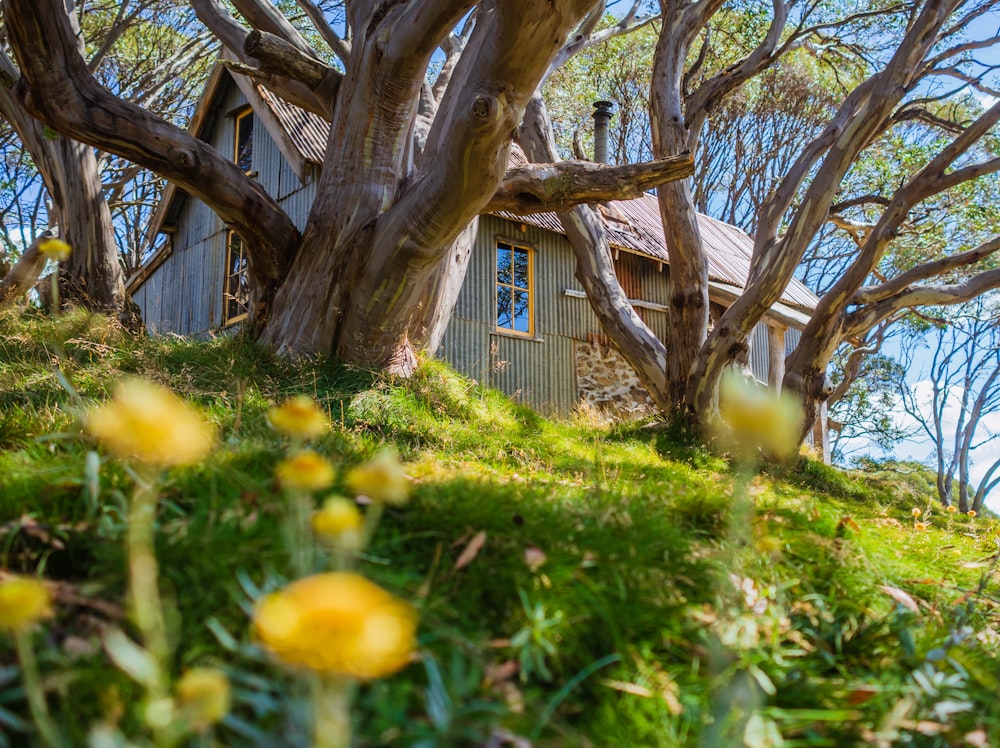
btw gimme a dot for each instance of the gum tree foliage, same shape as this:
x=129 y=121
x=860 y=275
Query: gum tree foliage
x=99 y=202
x=957 y=408
x=375 y=272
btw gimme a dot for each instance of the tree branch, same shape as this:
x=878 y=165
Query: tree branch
x=279 y=58
x=925 y=271
x=57 y=88
x=560 y=186
x=340 y=47
x=860 y=320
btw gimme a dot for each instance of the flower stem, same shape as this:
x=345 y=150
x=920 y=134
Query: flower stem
x=332 y=697
x=36 y=694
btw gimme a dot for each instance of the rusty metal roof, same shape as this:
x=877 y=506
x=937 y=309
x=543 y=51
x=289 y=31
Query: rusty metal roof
x=307 y=131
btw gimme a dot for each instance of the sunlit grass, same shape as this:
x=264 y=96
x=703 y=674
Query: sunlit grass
x=576 y=581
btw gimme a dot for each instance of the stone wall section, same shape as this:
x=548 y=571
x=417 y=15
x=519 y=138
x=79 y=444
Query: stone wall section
x=606 y=382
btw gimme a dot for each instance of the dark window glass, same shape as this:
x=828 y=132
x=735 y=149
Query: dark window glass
x=236 y=296
x=244 y=141
x=514 y=304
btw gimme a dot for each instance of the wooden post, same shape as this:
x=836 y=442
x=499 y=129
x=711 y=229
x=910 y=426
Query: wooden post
x=775 y=356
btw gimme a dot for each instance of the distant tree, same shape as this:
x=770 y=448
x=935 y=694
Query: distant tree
x=99 y=203
x=962 y=392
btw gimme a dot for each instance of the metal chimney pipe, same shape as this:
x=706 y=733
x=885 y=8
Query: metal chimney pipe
x=602 y=118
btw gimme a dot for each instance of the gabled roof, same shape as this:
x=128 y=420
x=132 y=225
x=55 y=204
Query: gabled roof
x=633 y=225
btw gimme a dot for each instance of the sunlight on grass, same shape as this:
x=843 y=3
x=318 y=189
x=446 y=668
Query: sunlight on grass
x=577 y=582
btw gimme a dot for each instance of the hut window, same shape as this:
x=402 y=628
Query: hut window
x=236 y=294
x=243 y=154
x=515 y=295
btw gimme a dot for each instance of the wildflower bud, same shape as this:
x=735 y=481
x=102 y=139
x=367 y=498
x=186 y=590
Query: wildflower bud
x=204 y=697
x=338 y=623
x=149 y=423
x=305 y=471
x=55 y=249
x=23 y=603
x=380 y=479
x=339 y=521
x=757 y=418
x=299 y=418
x=916 y=511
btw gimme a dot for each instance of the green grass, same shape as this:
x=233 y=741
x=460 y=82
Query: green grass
x=678 y=604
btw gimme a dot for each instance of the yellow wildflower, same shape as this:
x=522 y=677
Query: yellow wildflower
x=23 y=603
x=921 y=525
x=150 y=423
x=339 y=520
x=204 y=696
x=299 y=417
x=951 y=509
x=338 y=623
x=55 y=249
x=382 y=479
x=759 y=419
x=916 y=511
x=971 y=512
x=305 y=471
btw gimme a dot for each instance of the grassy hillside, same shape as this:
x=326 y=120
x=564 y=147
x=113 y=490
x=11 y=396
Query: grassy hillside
x=629 y=590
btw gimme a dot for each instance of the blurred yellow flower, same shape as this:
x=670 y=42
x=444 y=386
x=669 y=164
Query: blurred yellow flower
x=916 y=511
x=299 y=417
x=338 y=623
x=55 y=249
x=382 y=479
x=339 y=520
x=23 y=603
x=920 y=525
x=971 y=512
x=951 y=509
x=757 y=419
x=150 y=423
x=204 y=696
x=305 y=471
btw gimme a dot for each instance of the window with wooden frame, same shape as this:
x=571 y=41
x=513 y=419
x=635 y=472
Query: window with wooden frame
x=515 y=292
x=243 y=140
x=236 y=293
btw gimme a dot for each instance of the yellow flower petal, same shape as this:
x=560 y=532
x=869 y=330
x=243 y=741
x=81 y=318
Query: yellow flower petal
x=337 y=623
x=148 y=422
x=757 y=418
x=340 y=521
x=204 y=696
x=305 y=471
x=55 y=249
x=382 y=479
x=299 y=418
x=23 y=603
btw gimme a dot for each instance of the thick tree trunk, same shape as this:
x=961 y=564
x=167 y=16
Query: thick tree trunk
x=688 y=307
x=382 y=231
x=93 y=276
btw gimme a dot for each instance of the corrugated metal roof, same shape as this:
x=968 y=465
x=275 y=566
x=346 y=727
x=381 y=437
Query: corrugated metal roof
x=635 y=226
x=307 y=131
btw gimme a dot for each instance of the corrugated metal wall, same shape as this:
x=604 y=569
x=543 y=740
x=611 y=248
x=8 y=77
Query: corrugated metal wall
x=184 y=295
x=760 y=364
x=539 y=371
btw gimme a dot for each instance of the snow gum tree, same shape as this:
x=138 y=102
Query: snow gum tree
x=411 y=162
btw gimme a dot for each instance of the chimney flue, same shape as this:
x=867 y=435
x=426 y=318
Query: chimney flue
x=602 y=118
